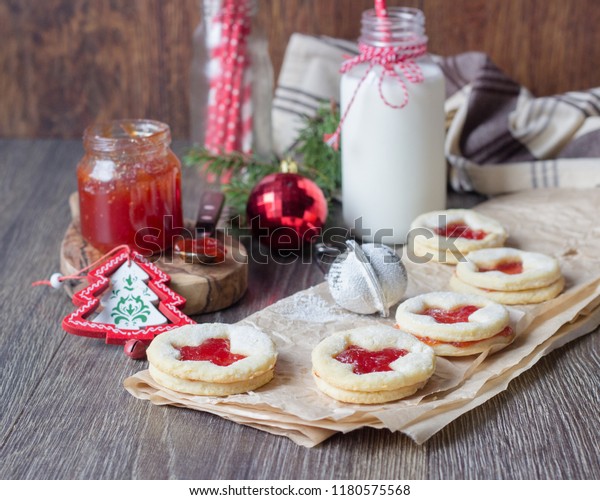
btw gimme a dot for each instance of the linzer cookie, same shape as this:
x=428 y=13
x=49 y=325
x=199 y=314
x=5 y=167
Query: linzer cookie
x=449 y=235
x=509 y=276
x=372 y=364
x=454 y=324
x=212 y=359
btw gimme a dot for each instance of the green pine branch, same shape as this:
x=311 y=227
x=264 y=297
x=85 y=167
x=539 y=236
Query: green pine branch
x=245 y=172
x=321 y=162
x=316 y=160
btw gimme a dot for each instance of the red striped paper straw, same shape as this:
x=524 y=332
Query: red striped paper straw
x=247 y=120
x=217 y=49
x=236 y=68
x=381 y=8
x=228 y=128
x=224 y=85
x=382 y=13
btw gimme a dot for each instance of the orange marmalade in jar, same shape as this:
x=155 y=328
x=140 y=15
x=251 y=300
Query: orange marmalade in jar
x=129 y=184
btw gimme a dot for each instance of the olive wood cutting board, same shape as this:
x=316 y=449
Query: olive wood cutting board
x=206 y=287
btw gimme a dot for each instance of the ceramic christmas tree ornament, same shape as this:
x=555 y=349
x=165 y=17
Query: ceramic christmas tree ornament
x=129 y=302
x=127 y=298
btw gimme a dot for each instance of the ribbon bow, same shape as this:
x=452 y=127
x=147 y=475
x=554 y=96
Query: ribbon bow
x=397 y=62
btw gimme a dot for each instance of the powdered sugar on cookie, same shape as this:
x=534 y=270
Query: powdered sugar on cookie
x=222 y=359
x=355 y=364
x=508 y=269
x=456 y=324
x=458 y=231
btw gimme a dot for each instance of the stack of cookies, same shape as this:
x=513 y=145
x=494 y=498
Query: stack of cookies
x=447 y=236
x=456 y=324
x=212 y=359
x=509 y=276
x=371 y=364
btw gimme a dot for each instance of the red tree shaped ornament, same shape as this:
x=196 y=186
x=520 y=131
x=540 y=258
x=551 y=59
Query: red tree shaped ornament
x=133 y=299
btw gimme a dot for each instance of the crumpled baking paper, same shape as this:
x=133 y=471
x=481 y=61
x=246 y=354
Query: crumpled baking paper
x=556 y=222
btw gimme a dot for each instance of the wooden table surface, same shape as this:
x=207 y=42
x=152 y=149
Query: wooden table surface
x=65 y=414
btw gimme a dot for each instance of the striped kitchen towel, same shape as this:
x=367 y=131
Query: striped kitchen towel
x=499 y=139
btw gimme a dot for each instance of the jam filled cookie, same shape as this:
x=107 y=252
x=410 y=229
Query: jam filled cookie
x=452 y=234
x=515 y=297
x=442 y=256
x=212 y=359
x=508 y=269
x=509 y=276
x=372 y=364
x=454 y=324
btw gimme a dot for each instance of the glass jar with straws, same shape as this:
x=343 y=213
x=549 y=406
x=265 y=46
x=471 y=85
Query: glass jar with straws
x=232 y=80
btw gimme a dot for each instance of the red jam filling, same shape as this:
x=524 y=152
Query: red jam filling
x=460 y=230
x=217 y=351
x=364 y=361
x=507 y=267
x=204 y=246
x=507 y=332
x=458 y=315
x=135 y=202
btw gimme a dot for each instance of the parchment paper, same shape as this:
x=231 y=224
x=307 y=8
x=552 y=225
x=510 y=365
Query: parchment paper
x=561 y=223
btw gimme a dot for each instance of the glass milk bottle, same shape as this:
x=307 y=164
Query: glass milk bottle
x=392 y=128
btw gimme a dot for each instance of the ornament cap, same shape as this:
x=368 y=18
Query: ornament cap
x=288 y=166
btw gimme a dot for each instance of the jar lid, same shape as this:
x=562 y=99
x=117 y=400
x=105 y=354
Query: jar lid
x=127 y=135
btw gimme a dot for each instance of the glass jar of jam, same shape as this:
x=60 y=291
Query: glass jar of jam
x=129 y=184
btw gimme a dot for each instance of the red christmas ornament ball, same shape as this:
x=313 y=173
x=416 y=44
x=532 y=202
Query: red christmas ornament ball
x=285 y=210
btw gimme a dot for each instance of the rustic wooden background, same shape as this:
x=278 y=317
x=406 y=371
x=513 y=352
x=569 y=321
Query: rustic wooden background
x=66 y=63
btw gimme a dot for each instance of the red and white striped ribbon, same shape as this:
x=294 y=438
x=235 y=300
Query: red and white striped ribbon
x=396 y=62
